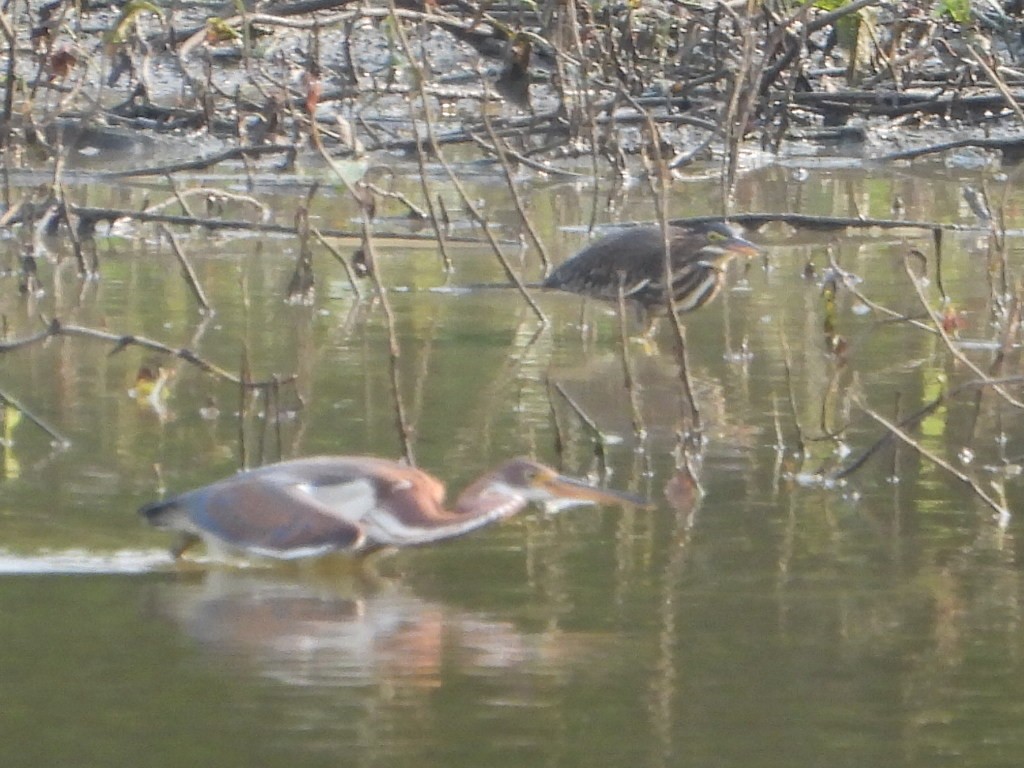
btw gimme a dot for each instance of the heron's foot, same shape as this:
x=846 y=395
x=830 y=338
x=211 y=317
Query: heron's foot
x=185 y=542
x=647 y=339
x=646 y=344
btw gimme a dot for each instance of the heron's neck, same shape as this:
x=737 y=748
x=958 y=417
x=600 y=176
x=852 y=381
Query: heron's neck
x=487 y=499
x=480 y=504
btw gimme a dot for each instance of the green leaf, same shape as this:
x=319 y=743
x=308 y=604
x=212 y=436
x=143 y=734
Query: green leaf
x=119 y=32
x=958 y=10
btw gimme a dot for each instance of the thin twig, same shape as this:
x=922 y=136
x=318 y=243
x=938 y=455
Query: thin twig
x=187 y=271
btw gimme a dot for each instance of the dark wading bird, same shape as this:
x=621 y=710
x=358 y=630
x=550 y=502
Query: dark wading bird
x=359 y=505
x=633 y=260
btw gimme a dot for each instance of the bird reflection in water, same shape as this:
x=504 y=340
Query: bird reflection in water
x=336 y=632
x=596 y=388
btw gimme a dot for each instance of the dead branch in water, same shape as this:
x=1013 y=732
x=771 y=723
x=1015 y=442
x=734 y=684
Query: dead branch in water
x=88 y=218
x=56 y=328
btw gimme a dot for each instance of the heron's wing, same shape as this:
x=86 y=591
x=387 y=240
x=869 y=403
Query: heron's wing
x=603 y=266
x=273 y=516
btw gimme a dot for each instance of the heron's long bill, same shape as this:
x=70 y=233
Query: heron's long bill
x=570 y=492
x=742 y=247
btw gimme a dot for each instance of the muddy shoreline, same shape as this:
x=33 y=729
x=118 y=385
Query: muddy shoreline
x=563 y=89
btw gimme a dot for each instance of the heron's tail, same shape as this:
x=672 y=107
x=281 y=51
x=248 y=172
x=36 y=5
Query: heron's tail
x=162 y=514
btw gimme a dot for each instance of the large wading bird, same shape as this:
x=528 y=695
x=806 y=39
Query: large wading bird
x=358 y=505
x=633 y=261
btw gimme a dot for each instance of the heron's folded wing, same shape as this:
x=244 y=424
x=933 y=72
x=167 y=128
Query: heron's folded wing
x=282 y=519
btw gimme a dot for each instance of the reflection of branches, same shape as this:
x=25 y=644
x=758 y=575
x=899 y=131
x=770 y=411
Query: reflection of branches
x=682 y=491
x=121 y=341
x=59 y=439
x=582 y=415
x=849 y=284
x=948 y=341
x=999 y=505
x=627 y=369
x=916 y=417
x=821 y=223
x=787 y=362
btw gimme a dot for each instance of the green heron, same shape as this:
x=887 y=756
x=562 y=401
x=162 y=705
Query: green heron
x=633 y=260
x=359 y=505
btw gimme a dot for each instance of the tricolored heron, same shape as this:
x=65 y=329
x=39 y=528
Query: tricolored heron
x=356 y=504
x=633 y=260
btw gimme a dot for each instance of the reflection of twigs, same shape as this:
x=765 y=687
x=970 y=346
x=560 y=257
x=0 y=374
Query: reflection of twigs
x=211 y=196
x=627 y=369
x=76 y=241
x=937 y=241
x=683 y=493
x=1002 y=512
x=831 y=393
x=948 y=341
x=913 y=419
x=909 y=421
x=178 y=197
x=850 y=285
x=187 y=271
x=243 y=402
x=120 y=341
x=822 y=223
x=58 y=439
x=271 y=404
x=787 y=363
x=582 y=415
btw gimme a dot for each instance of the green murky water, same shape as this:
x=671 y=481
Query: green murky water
x=773 y=622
